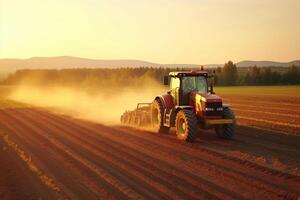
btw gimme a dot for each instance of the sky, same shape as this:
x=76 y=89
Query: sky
x=162 y=31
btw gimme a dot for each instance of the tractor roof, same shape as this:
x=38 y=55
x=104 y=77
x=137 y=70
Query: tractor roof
x=188 y=73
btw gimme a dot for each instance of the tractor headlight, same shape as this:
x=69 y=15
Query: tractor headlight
x=220 y=109
x=209 y=109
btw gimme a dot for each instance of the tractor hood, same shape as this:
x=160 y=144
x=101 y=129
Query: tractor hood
x=208 y=97
x=207 y=105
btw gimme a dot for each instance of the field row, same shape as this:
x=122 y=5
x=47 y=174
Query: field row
x=283 y=117
x=103 y=162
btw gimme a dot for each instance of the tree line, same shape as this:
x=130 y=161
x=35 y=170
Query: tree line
x=228 y=75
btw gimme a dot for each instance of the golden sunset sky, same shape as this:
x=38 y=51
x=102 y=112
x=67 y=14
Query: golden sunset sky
x=162 y=31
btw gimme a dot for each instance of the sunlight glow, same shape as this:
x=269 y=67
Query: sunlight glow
x=163 y=31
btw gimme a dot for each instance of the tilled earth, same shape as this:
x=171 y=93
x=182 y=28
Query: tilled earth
x=51 y=156
x=278 y=113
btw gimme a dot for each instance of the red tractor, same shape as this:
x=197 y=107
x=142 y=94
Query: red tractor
x=190 y=104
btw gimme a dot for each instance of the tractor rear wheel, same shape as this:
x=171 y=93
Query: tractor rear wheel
x=227 y=131
x=186 y=125
x=157 y=117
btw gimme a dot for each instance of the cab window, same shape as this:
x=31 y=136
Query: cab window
x=194 y=84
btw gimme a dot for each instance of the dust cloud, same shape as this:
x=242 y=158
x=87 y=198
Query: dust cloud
x=105 y=106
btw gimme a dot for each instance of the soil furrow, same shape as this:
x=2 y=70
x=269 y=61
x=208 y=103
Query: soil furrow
x=49 y=164
x=90 y=160
x=131 y=141
x=136 y=155
x=95 y=156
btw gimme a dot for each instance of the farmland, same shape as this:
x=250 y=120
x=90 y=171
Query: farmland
x=149 y=100
x=63 y=157
x=276 y=107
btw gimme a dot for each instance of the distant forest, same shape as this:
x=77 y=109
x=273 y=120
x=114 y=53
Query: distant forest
x=228 y=75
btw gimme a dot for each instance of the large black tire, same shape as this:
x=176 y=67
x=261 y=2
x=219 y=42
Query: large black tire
x=186 y=125
x=157 y=117
x=227 y=131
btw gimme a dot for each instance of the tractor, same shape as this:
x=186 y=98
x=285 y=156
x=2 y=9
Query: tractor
x=190 y=104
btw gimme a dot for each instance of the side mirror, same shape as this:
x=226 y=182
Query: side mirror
x=166 y=80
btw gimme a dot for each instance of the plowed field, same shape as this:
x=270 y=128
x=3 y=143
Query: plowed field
x=62 y=157
x=281 y=114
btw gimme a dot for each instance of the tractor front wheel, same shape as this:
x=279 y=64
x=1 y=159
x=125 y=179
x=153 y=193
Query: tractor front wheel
x=227 y=131
x=186 y=125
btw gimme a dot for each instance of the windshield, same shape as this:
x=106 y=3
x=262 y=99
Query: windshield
x=194 y=84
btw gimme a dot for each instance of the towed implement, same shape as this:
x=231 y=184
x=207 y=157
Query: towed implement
x=139 y=117
x=190 y=104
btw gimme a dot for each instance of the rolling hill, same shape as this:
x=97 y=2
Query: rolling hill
x=11 y=65
x=248 y=63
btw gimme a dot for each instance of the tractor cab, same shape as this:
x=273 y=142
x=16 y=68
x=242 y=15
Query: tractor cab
x=185 y=82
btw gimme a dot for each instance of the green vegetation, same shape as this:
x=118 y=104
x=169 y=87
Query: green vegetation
x=290 y=91
x=229 y=75
x=98 y=78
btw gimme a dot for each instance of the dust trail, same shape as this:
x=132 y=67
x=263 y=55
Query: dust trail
x=105 y=107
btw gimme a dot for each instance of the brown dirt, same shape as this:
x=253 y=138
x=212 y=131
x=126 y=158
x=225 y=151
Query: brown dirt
x=270 y=112
x=87 y=160
x=17 y=181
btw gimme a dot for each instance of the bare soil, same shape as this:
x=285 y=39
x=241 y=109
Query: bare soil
x=86 y=160
x=17 y=181
x=278 y=113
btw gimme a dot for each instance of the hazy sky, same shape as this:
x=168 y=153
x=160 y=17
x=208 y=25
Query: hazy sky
x=163 y=31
